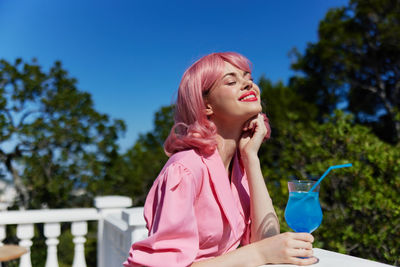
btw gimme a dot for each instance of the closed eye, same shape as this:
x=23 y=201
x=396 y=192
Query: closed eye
x=248 y=76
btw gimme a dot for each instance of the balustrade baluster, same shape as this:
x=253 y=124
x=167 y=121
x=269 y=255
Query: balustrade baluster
x=52 y=232
x=25 y=234
x=79 y=230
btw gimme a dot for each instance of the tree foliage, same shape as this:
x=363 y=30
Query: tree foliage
x=139 y=166
x=356 y=61
x=360 y=204
x=53 y=142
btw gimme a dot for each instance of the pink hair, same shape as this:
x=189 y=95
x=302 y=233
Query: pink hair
x=192 y=129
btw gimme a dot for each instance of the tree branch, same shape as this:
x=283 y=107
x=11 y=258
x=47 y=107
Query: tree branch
x=25 y=115
x=9 y=116
x=3 y=156
x=370 y=88
x=19 y=185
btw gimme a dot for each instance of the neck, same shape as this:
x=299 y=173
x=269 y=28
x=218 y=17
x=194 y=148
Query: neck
x=227 y=142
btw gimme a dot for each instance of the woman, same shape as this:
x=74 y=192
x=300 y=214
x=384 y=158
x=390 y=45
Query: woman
x=210 y=197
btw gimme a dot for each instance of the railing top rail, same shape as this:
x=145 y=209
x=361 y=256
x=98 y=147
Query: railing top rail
x=49 y=216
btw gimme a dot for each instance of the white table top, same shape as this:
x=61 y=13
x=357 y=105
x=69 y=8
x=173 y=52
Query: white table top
x=332 y=259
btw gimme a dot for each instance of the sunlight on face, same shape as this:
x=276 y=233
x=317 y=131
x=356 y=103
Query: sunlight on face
x=234 y=97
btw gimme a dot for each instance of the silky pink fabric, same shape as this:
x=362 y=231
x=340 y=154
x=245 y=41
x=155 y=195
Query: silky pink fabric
x=193 y=212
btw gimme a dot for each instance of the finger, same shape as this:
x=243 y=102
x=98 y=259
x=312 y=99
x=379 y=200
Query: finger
x=250 y=127
x=294 y=243
x=261 y=122
x=256 y=122
x=299 y=252
x=303 y=236
x=246 y=126
x=303 y=261
x=253 y=124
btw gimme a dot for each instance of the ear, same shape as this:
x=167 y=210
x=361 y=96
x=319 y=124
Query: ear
x=208 y=110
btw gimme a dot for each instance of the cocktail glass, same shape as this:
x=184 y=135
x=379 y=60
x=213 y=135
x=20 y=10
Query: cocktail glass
x=303 y=212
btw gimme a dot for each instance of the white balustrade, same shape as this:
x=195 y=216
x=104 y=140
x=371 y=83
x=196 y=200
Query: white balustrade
x=107 y=205
x=26 y=220
x=52 y=232
x=121 y=230
x=79 y=230
x=136 y=223
x=25 y=233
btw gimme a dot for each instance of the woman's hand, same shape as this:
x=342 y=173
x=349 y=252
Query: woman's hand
x=279 y=249
x=286 y=248
x=254 y=132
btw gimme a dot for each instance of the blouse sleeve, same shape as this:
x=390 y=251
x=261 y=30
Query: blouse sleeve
x=169 y=211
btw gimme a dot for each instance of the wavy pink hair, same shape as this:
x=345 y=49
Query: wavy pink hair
x=192 y=129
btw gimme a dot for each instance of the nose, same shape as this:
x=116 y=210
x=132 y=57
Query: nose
x=247 y=84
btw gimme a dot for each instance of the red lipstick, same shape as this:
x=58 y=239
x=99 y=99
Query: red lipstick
x=248 y=97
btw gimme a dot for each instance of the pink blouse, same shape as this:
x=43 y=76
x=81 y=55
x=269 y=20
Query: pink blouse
x=193 y=212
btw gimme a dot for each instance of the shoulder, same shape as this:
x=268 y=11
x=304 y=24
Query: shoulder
x=190 y=163
x=189 y=159
x=186 y=155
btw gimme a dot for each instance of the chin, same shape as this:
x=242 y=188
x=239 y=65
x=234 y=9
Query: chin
x=257 y=111
x=253 y=114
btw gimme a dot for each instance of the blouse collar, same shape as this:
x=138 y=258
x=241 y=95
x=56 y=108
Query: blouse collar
x=222 y=187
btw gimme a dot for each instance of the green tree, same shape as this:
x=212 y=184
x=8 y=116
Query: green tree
x=53 y=143
x=356 y=61
x=284 y=107
x=360 y=204
x=140 y=165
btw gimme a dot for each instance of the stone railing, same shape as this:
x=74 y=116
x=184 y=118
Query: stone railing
x=120 y=232
x=109 y=206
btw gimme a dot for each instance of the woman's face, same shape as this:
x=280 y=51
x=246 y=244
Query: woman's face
x=234 y=96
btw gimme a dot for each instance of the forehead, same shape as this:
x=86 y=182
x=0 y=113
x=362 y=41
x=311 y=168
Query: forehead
x=229 y=68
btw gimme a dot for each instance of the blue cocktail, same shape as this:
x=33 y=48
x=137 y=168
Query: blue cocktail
x=303 y=212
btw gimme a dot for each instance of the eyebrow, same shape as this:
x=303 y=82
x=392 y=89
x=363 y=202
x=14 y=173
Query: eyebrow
x=234 y=74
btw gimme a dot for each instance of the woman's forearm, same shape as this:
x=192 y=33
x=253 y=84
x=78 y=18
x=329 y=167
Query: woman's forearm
x=241 y=257
x=292 y=248
x=264 y=222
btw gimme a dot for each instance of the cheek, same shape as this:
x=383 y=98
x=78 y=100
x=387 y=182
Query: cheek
x=224 y=98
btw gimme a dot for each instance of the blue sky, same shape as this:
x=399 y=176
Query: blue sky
x=130 y=55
